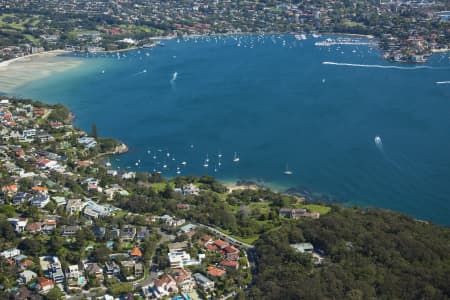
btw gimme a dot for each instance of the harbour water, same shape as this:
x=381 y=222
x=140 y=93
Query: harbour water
x=272 y=102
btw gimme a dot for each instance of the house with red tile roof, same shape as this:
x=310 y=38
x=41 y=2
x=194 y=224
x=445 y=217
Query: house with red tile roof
x=44 y=284
x=25 y=264
x=184 y=280
x=40 y=189
x=163 y=287
x=34 y=227
x=136 y=253
x=229 y=264
x=10 y=189
x=221 y=244
x=231 y=253
x=215 y=272
x=212 y=247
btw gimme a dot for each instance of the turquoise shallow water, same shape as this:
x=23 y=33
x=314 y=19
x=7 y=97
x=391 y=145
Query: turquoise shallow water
x=271 y=100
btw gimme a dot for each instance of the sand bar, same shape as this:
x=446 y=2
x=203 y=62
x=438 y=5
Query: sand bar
x=19 y=71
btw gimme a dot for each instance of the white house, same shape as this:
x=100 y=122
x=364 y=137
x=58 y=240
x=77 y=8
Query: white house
x=26 y=276
x=190 y=189
x=10 y=253
x=18 y=223
x=163 y=287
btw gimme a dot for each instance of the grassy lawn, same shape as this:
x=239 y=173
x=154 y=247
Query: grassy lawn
x=141 y=29
x=160 y=186
x=30 y=38
x=264 y=206
x=353 y=24
x=322 y=209
x=120 y=214
x=20 y=26
x=248 y=240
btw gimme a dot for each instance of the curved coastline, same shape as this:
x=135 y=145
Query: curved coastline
x=267 y=184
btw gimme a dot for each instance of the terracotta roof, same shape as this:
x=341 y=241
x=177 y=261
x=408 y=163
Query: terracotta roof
x=215 y=272
x=42 y=281
x=181 y=274
x=40 y=189
x=231 y=249
x=205 y=239
x=26 y=263
x=50 y=222
x=211 y=247
x=165 y=279
x=136 y=252
x=9 y=188
x=221 y=244
x=33 y=226
x=229 y=263
x=83 y=163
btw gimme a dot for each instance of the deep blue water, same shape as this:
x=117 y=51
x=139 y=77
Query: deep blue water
x=275 y=104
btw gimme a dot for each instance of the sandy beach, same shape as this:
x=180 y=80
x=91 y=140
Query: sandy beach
x=21 y=70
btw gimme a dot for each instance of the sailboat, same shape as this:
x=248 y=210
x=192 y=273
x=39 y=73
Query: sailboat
x=236 y=157
x=206 y=163
x=287 y=171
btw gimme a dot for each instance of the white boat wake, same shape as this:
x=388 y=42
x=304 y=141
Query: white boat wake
x=174 y=77
x=442 y=82
x=376 y=66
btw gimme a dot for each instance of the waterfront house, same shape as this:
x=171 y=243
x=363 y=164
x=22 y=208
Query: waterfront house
x=190 y=189
x=88 y=142
x=297 y=213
